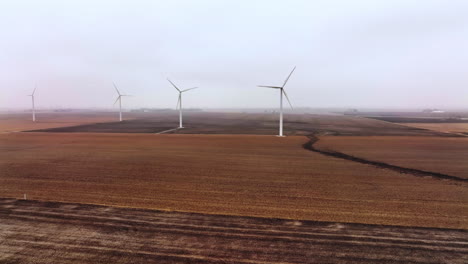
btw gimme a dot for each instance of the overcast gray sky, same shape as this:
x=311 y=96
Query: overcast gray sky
x=362 y=53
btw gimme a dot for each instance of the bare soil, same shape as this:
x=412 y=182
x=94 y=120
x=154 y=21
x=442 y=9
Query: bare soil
x=46 y=232
x=245 y=123
x=461 y=128
x=13 y=122
x=440 y=120
x=445 y=155
x=222 y=174
x=417 y=172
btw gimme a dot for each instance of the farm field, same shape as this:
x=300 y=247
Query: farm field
x=446 y=155
x=222 y=174
x=34 y=232
x=416 y=119
x=443 y=127
x=449 y=122
x=13 y=122
x=237 y=123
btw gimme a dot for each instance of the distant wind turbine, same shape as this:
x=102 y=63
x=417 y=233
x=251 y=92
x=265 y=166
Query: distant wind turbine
x=119 y=99
x=282 y=91
x=33 y=107
x=179 y=101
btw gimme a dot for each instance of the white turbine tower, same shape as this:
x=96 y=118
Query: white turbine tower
x=33 y=106
x=119 y=99
x=282 y=91
x=179 y=101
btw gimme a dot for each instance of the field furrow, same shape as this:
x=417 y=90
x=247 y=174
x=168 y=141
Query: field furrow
x=98 y=234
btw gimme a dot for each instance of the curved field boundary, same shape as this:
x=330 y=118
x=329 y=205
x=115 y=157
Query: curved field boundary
x=313 y=139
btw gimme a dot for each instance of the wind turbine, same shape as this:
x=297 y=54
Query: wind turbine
x=179 y=101
x=119 y=98
x=282 y=91
x=33 y=107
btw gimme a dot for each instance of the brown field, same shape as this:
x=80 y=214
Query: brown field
x=446 y=155
x=443 y=127
x=215 y=181
x=10 y=122
x=222 y=174
x=209 y=123
x=44 y=232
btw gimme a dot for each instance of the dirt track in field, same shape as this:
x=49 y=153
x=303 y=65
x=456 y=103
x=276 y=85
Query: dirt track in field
x=45 y=232
x=222 y=174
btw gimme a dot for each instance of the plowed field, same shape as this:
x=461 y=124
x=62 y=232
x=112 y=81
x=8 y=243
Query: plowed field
x=13 y=122
x=39 y=232
x=443 y=127
x=446 y=155
x=212 y=123
x=222 y=174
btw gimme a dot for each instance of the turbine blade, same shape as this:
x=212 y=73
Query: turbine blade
x=34 y=91
x=116 y=100
x=173 y=84
x=115 y=86
x=188 y=89
x=273 y=87
x=287 y=79
x=178 y=102
x=286 y=95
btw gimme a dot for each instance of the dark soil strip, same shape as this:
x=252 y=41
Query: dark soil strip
x=421 y=173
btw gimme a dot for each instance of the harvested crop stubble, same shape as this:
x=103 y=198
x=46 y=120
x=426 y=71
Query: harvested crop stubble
x=48 y=232
x=222 y=174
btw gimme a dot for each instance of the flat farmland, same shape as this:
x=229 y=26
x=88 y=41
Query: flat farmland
x=49 y=232
x=222 y=174
x=446 y=155
x=443 y=127
x=244 y=123
x=13 y=122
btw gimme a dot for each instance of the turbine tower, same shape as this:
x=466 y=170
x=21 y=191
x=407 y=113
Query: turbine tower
x=33 y=107
x=179 y=101
x=119 y=98
x=282 y=91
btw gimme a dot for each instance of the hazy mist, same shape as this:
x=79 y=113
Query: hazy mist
x=394 y=53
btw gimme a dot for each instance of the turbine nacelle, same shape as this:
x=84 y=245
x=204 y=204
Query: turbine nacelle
x=34 y=91
x=282 y=87
x=120 y=97
x=179 y=100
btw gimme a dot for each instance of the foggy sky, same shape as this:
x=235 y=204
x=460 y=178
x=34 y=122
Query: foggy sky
x=361 y=53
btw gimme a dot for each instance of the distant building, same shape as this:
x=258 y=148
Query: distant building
x=148 y=110
x=436 y=111
x=351 y=111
